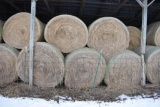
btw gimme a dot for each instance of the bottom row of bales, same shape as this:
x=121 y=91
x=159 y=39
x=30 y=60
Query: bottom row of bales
x=80 y=69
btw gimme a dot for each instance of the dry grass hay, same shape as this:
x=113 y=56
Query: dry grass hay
x=8 y=57
x=1 y=27
x=66 y=32
x=16 y=30
x=48 y=65
x=81 y=66
x=123 y=70
x=152 y=60
x=153 y=34
x=135 y=37
x=109 y=34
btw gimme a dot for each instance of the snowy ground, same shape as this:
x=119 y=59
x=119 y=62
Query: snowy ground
x=123 y=101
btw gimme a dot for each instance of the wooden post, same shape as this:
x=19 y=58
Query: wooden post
x=144 y=6
x=31 y=44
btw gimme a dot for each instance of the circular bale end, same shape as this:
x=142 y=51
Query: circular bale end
x=152 y=60
x=153 y=34
x=16 y=30
x=81 y=67
x=66 y=32
x=135 y=37
x=109 y=34
x=123 y=70
x=8 y=56
x=48 y=65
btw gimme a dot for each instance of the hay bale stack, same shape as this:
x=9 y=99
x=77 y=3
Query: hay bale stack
x=1 y=27
x=8 y=57
x=16 y=30
x=153 y=34
x=123 y=70
x=48 y=65
x=152 y=60
x=109 y=34
x=66 y=32
x=81 y=66
x=135 y=37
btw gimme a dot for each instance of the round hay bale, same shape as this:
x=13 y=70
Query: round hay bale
x=16 y=30
x=109 y=34
x=135 y=37
x=66 y=32
x=152 y=60
x=81 y=67
x=8 y=56
x=48 y=65
x=153 y=34
x=1 y=27
x=123 y=70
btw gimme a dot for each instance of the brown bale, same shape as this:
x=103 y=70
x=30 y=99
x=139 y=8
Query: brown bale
x=135 y=37
x=153 y=34
x=109 y=34
x=81 y=67
x=8 y=57
x=66 y=32
x=48 y=65
x=152 y=60
x=16 y=30
x=123 y=70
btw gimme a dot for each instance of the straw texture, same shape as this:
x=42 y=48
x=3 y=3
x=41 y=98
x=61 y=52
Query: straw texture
x=81 y=67
x=66 y=32
x=48 y=65
x=16 y=30
x=109 y=34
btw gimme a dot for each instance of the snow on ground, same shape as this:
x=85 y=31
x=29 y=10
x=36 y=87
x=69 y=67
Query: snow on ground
x=122 y=101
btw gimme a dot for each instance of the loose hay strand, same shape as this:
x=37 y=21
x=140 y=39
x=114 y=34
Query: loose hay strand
x=48 y=65
x=66 y=32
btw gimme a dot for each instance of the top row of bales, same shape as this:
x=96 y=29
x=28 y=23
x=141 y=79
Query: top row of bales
x=68 y=33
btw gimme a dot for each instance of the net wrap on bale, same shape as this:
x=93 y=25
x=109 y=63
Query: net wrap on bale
x=123 y=70
x=48 y=65
x=152 y=60
x=16 y=30
x=135 y=37
x=109 y=34
x=66 y=32
x=81 y=67
x=8 y=57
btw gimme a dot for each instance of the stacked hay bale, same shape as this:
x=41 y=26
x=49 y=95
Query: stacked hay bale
x=8 y=57
x=16 y=30
x=66 y=32
x=153 y=34
x=123 y=70
x=109 y=34
x=135 y=37
x=152 y=60
x=82 y=70
x=1 y=27
x=48 y=65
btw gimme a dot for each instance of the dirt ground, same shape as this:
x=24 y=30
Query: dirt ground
x=101 y=93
